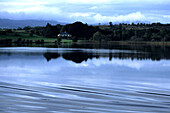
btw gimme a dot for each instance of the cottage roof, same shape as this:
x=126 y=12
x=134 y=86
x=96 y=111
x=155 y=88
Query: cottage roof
x=62 y=33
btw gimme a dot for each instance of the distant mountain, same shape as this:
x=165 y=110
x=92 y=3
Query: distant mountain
x=7 y=23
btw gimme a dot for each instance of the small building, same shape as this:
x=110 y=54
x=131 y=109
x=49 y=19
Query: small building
x=64 y=35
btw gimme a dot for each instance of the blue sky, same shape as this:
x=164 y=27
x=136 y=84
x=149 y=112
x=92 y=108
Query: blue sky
x=87 y=11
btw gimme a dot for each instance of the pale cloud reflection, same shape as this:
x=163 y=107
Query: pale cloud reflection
x=94 y=7
x=36 y=66
x=135 y=64
x=61 y=71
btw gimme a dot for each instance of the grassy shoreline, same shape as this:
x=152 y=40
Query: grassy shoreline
x=65 y=41
x=126 y=43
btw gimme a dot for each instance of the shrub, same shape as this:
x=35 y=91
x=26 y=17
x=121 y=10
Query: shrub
x=3 y=33
x=16 y=34
x=9 y=31
x=98 y=36
x=75 y=39
x=30 y=34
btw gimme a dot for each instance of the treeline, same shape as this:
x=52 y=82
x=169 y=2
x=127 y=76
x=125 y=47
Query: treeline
x=78 y=30
x=121 y=32
x=133 y=32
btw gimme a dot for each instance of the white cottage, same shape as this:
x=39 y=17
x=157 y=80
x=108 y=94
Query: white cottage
x=64 y=35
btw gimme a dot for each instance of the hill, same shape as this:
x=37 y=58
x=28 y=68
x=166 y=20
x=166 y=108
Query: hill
x=7 y=23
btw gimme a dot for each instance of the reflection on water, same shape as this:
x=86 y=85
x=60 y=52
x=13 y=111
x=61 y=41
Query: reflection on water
x=80 y=55
x=84 y=80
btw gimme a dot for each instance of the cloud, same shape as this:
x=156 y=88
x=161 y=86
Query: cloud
x=167 y=16
x=106 y=1
x=88 y=11
x=94 y=7
x=137 y=16
x=130 y=17
x=34 y=9
x=28 y=10
x=80 y=15
x=27 y=7
x=135 y=64
x=27 y=3
x=88 y=1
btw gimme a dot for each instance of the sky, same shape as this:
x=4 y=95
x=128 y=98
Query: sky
x=87 y=11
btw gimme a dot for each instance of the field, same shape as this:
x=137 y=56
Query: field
x=15 y=35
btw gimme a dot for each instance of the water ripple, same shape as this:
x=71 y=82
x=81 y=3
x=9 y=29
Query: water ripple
x=79 y=99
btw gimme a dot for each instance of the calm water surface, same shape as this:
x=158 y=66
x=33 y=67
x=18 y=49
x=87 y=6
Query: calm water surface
x=71 y=80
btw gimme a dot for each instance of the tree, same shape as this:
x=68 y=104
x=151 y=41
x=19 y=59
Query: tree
x=166 y=38
x=75 y=39
x=147 y=35
x=162 y=32
x=133 y=24
x=19 y=28
x=3 y=33
x=31 y=34
x=27 y=28
x=125 y=35
x=80 y=30
x=98 y=36
x=155 y=37
x=51 y=31
x=111 y=25
x=59 y=40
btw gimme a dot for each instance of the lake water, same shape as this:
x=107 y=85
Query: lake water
x=78 y=80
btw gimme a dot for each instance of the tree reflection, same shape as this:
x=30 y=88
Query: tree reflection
x=50 y=56
x=79 y=56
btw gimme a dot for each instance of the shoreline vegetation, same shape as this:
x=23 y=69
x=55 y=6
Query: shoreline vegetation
x=122 y=34
x=126 y=43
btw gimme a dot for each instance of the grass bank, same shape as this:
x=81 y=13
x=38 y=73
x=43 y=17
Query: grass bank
x=125 y=43
x=24 y=37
